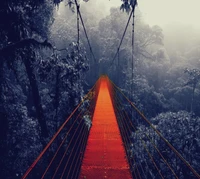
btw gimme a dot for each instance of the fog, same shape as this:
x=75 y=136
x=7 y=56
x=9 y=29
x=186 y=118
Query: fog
x=163 y=12
x=49 y=60
x=179 y=19
x=155 y=12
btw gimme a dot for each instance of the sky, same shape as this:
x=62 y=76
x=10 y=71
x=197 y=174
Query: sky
x=163 y=12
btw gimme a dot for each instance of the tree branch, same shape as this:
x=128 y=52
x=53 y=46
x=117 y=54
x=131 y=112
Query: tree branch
x=22 y=44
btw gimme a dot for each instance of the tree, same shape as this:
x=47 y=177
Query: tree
x=24 y=28
x=193 y=81
x=181 y=130
x=127 y=4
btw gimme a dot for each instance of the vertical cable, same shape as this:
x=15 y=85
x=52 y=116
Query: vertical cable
x=78 y=30
x=82 y=146
x=154 y=145
x=132 y=62
x=125 y=135
x=85 y=31
x=64 y=139
x=67 y=148
x=118 y=101
x=122 y=38
x=118 y=68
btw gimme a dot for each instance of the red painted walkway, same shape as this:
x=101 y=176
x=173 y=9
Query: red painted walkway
x=105 y=154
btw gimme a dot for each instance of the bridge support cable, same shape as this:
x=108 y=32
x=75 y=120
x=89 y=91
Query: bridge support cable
x=126 y=139
x=128 y=149
x=79 y=158
x=143 y=124
x=132 y=14
x=59 y=167
x=132 y=44
x=67 y=150
x=118 y=67
x=152 y=142
x=126 y=117
x=63 y=141
x=126 y=142
x=124 y=33
x=126 y=134
x=86 y=35
x=79 y=18
x=124 y=125
x=74 y=152
x=78 y=28
x=80 y=115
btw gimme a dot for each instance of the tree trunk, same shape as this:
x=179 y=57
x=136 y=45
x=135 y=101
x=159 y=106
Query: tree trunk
x=3 y=126
x=57 y=97
x=36 y=97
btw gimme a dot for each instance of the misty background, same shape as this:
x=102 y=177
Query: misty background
x=178 y=19
x=44 y=73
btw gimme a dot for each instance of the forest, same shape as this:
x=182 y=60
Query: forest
x=45 y=71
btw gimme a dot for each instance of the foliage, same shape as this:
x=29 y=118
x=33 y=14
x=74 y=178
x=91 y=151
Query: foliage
x=37 y=84
x=127 y=4
x=194 y=76
x=36 y=59
x=182 y=131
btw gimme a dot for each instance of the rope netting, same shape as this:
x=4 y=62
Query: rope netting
x=62 y=156
x=149 y=153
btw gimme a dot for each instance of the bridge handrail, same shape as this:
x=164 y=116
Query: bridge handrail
x=156 y=130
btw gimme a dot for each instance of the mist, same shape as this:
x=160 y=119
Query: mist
x=163 y=12
x=52 y=55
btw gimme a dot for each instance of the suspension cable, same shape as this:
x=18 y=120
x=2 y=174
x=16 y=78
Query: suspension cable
x=161 y=136
x=49 y=144
x=132 y=64
x=78 y=28
x=129 y=139
x=83 y=145
x=126 y=146
x=58 y=166
x=126 y=142
x=145 y=147
x=150 y=156
x=154 y=145
x=82 y=136
x=95 y=86
x=57 y=133
x=140 y=140
x=83 y=142
x=78 y=117
x=78 y=9
x=122 y=37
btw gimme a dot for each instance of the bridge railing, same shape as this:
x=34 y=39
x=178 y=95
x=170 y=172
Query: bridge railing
x=149 y=153
x=62 y=156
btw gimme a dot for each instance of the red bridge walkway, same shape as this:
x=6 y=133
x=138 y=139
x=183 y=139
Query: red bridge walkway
x=105 y=154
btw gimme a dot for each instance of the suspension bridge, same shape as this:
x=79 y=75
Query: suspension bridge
x=97 y=141
x=106 y=136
